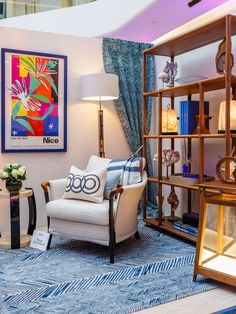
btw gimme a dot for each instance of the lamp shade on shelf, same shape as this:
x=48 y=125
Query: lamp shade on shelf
x=221 y=121
x=169 y=121
x=99 y=86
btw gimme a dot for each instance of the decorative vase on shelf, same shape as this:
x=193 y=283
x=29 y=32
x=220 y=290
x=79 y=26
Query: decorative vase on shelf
x=13 y=186
x=205 y=129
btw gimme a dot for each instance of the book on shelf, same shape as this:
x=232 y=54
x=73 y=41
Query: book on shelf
x=179 y=225
x=191 y=219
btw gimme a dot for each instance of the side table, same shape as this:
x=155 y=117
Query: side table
x=216 y=242
x=16 y=241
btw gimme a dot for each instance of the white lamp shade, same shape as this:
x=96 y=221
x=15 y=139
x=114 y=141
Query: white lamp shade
x=221 y=120
x=99 y=86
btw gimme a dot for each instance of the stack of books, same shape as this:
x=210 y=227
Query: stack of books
x=179 y=225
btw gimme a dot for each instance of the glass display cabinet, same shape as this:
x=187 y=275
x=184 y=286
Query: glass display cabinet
x=216 y=244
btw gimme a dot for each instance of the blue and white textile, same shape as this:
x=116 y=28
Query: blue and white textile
x=129 y=170
x=124 y=58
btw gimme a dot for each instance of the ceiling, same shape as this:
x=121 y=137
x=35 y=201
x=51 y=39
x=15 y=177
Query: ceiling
x=161 y=17
x=135 y=20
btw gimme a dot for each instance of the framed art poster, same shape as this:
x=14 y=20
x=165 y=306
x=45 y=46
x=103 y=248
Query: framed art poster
x=34 y=101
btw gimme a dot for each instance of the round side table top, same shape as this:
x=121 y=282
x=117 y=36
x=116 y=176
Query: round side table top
x=22 y=193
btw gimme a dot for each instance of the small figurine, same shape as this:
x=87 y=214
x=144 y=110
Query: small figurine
x=187 y=166
x=221 y=170
x=171 y=70
x=169 y=157
x=174 y=203
x=220 y=58
x=205 y=130
x=164 y=77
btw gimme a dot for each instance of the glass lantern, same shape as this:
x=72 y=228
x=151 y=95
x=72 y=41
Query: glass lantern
x=169 y=121
x=216 y=244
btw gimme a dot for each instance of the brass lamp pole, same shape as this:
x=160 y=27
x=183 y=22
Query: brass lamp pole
x=101 y=131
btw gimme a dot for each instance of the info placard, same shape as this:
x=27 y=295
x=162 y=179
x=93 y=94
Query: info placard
x=39 y=240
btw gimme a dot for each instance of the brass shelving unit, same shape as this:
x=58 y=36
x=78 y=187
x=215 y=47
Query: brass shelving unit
x=213 y=32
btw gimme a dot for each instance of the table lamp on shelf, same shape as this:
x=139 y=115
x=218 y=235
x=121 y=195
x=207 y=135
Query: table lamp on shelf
x=221 y=120
x=100 y=87
x=169 y=121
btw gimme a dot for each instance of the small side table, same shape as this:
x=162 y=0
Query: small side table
x=216 y=242
x=16 y=241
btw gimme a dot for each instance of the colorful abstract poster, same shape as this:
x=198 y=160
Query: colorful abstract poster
x=33 y=101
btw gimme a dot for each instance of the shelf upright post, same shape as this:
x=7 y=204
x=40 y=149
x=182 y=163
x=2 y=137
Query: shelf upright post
x=159 y=159
x=189 y=150
x=172 y=104
x=144 y=129
x=172 y=140
x=228 y=20
x=201 y=139
x=202 y=223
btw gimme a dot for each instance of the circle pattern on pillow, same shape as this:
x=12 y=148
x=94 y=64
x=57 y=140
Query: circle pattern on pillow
x=88 y=184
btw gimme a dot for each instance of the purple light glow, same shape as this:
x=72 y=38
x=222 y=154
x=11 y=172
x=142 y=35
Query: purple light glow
x=162 y=17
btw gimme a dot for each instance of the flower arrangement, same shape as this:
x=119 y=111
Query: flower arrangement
x=13 y=174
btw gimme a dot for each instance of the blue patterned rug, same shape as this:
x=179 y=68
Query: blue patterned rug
x=76 y=277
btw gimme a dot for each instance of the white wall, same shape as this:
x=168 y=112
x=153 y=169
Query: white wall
x=84 y=57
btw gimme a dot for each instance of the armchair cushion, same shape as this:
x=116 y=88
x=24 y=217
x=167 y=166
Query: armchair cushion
x=112 y=182
x=88 y=186
x=80 y=211
x=129 y=170
x=96 y=162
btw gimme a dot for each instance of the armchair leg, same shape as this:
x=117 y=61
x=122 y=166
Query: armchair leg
x=49 y=242
x=137 y=236
x=112 y=245
x=48 y=219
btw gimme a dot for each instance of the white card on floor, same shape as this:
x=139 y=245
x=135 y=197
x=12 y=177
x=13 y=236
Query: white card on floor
x=39 y=240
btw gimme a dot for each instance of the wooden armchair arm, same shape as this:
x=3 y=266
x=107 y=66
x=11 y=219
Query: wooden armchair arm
x=45 y=185
x=114 y=192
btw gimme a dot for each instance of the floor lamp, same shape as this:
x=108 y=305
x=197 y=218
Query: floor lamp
x=100 y=87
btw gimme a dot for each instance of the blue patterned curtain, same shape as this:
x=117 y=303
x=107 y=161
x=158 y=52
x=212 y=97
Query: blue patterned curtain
x=124 y=58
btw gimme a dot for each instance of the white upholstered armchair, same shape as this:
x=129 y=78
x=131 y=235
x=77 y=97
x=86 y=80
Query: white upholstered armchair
x=106 y=223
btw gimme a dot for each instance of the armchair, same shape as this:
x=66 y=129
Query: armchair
x=106 y=223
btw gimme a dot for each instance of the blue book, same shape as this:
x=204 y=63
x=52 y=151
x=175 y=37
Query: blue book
x=188 y=110
x=184 y=226
x=184 y=230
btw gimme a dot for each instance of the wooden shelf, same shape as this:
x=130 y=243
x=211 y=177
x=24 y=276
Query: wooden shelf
x=179 y=136
x=208 y=85
x=224 y=28
x=173 y=136
x=188 y=136
x=219 y=186
x=167 y=226
x=172 y=183
x=197 y=38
